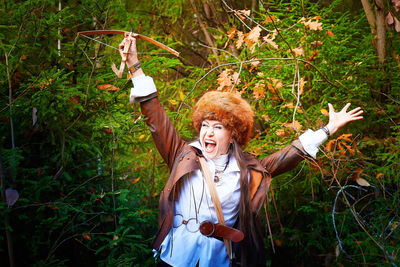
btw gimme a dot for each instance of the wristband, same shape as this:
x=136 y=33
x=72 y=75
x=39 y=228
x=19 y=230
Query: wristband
x=326 y=130
x=134 y=68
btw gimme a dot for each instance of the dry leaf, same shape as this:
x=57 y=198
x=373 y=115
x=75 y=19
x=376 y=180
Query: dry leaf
x=324 y=112
x=380 y=175
x=224 y=80
x=173 y=102
x=231 y=33
x=330 y=33
x=298 y=51
x=259 y=91
x=108 y=87
x=316 y=43
x=86 y=236
x=280 y=132
x=74 y=100
x=362 y=182
x=301 y=86
x=136 y=180
x=240 y=39
x=297 y=125
x=269 y=39
x=243 y=13
x=269 y=19
x=266 y=117
x=313 y=25
x=252 y=37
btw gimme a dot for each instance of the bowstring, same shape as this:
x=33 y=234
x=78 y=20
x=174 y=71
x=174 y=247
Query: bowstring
x=141 y=53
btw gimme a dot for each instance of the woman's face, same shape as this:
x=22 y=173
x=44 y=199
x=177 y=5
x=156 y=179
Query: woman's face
x=214 y=138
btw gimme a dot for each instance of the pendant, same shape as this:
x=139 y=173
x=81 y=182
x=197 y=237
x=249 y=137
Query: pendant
x=217 y=179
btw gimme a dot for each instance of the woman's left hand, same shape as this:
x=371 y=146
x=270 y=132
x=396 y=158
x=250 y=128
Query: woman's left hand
x=339 y=119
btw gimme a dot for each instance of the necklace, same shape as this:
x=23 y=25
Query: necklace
x=221 y=163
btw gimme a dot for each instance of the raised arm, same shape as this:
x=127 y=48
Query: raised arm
x=165 y=137
x=308 y=143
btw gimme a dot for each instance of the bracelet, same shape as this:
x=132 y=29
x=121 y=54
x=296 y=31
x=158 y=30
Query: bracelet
x=326 y=130
x=134 y=68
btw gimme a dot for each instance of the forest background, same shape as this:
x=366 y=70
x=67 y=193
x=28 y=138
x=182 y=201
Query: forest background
x=80 y=176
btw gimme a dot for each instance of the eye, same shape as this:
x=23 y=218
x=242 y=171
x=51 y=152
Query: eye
x=204 y=124
x=218 y=127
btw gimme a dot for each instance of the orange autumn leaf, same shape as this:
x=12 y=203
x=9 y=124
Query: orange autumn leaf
x=329 y=145
x=269 y=19
x=108 y=87
x=269 y=39
x=324 y=112
x=155 y=194
x=280 y=132
x=259 y=91
x=266 y=117
x=86 y=236
x=252 y=38
x=240 y=40
x=231 y=33
x=298 y=51
x=136 y=180
x=297 y=126
x=330 y=33
x=243 y=13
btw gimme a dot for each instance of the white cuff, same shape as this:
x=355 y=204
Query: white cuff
x=312 y=140
x=142 y=86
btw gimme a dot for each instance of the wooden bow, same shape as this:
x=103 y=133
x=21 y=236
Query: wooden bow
x=126 y=34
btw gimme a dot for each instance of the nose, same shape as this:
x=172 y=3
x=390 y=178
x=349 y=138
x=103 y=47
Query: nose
x=210 y=131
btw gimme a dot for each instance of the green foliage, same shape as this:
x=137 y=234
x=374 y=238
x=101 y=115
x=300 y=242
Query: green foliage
x=86 y=170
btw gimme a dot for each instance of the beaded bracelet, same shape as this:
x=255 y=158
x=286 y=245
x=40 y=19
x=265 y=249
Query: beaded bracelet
x=326 y=130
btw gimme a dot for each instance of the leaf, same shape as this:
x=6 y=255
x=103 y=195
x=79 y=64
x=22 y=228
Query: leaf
x=173 y=102
x=380 y=175
x=108 y=87
x=297 y=126
x=224 y=80
x=136 y=180
x=269 y=39
x=181 y=96
x=362 y=181
x=269 y=19
x=86 y=236
x=313 y=25
x=324 y=112
x=298 y=51
x=252 y=38
x=231 y=33
x=266 y=117
x=240 y=39
x=75 y=100
x=330 y=33
x=243 y=13
x=11 y=196
x=259 y=91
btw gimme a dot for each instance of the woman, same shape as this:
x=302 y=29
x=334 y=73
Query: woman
x=224 y=122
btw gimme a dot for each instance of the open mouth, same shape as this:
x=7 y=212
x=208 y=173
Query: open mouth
x=209 y=146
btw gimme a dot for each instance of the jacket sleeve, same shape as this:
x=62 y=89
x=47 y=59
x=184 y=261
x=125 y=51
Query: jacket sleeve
x=165 y=137
x=289 y=157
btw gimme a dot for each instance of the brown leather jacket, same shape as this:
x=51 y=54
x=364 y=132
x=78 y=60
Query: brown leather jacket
x=182 y=159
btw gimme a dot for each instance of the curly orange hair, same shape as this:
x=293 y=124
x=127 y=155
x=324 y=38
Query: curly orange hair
x=230 y=109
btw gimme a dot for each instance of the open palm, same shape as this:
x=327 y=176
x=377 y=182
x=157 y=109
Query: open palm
x=339 y=119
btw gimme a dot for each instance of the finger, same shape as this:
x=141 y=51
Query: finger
x=346 y=107
x=331 y=109
x=354 y=110
x=356 y=118
x=358 y=113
